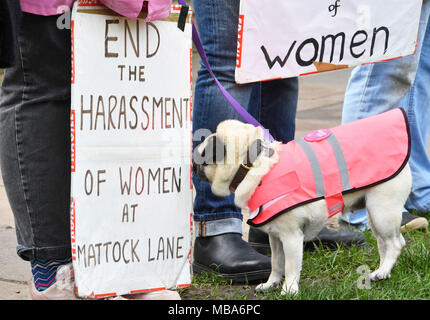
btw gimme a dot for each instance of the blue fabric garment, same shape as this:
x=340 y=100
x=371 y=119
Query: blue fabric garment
x=272 y=103
x=376 y=88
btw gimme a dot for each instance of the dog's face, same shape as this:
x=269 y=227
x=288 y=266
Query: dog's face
x=219 y=156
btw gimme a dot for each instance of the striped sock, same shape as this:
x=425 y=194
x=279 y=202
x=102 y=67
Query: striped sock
x=44 y=272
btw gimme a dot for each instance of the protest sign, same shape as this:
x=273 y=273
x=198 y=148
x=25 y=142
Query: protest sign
x=281 y=39
x=131 y=193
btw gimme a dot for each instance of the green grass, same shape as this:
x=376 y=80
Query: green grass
x=333 y=275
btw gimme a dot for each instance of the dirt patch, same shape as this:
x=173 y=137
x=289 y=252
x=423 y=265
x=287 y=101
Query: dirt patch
x=219 y=292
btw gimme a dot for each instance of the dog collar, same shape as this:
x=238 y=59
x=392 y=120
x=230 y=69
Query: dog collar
x=239 y=176
x=252 y=154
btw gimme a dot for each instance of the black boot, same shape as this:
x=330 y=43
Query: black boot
x=230 y=258
x=259 y=240
x=332 y=239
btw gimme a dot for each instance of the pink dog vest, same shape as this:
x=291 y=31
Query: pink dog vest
x=326 y=164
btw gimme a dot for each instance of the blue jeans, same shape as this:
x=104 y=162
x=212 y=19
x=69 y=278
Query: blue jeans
x=35 y=139
x=273 y=103
x=405 y=82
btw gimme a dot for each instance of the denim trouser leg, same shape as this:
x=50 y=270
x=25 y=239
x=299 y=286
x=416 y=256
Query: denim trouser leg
x=417 y=105
x=376 y=88
x=35 y=139
x=217 y=22
x=277 y=106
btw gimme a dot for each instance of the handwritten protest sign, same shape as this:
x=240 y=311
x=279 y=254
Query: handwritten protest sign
x=281 y=39
x=131 y=198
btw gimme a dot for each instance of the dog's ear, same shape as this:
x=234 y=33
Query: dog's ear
x=213 y=153
x=256 y=148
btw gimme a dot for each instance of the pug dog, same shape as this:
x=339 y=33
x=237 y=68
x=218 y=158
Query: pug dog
x=239 y=149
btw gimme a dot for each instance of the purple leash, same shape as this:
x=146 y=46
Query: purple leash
x=236 y=105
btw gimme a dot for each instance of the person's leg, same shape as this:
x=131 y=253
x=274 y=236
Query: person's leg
x=417 y=105
x=278 y=107
x=218 y=246
x=379 y=87
x=35 y=145
x=35 y=157
x=217 y=23
x=376 y=88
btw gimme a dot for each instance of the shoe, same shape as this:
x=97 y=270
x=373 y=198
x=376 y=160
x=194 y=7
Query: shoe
x=62 y=289
x=230 y=258
x=259 y=241
x=412 y=222
x=332 y=239
x=329 y=238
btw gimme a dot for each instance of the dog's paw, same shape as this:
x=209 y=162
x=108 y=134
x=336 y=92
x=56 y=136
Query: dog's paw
x=380 y=274
x=266 y=287
x=292 y=289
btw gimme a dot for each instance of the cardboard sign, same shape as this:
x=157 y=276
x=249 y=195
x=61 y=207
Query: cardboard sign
x=131 y=198
x=281 y=39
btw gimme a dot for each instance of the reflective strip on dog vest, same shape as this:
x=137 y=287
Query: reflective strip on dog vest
x=316 y=169
x=334 y=204
x=341 y=162
x=332 y=163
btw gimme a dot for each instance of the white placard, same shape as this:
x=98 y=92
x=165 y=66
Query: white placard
x=131 y=198
x=281 y=39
